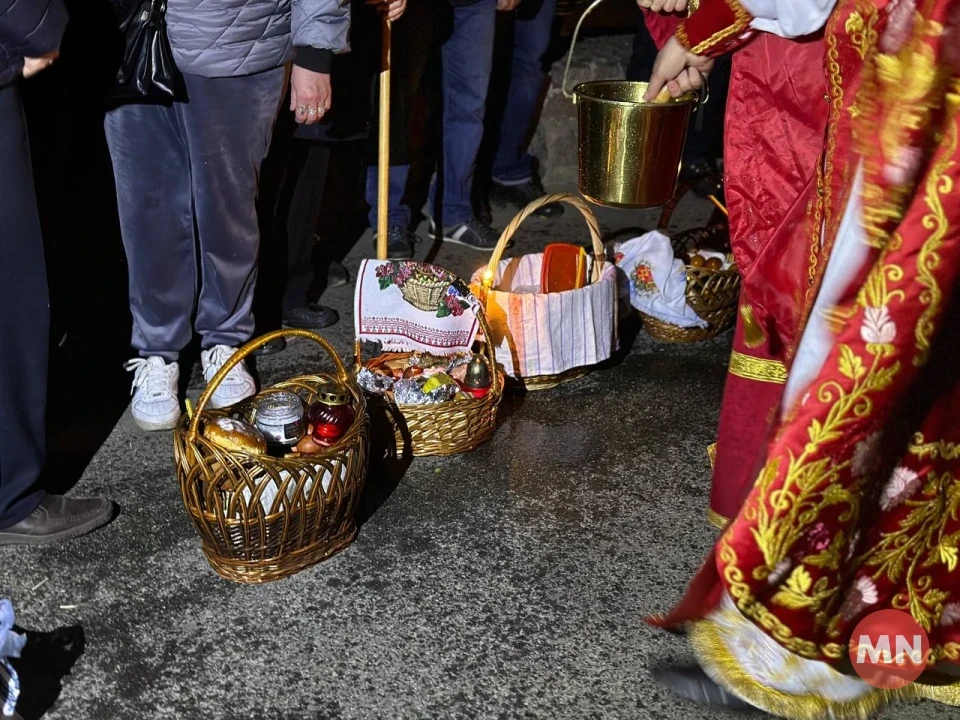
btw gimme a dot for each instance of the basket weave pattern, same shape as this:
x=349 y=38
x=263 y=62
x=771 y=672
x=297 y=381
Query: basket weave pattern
x=712 y=294
x=445 y=428
x=424 y=294
x=262 y=518
x=545 y=382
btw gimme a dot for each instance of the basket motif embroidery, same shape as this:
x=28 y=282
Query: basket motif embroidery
x=424 y=286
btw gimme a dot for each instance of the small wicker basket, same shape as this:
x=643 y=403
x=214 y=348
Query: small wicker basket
x=545 y=382
x=712 y=294
x=262 y=518
x=446 y=428
x=424 y=294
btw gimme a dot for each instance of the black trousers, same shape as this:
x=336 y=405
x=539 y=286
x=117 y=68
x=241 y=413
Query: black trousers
x=24 y=321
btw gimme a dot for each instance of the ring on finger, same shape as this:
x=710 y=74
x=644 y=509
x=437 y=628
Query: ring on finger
x=312 y=111
x=321 y=110
x=301 y=108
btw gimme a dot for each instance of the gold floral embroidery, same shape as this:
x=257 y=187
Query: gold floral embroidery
x=862 y=32
x=928 y=260
x=933 y=450
x=918 y=544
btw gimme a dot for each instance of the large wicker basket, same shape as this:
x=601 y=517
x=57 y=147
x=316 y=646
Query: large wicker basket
x=262 y=518
x=712 y=294
x=446 y=428
x=488 y=278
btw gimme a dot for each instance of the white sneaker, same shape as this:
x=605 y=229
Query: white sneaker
x=236 y=386
x=155 y=386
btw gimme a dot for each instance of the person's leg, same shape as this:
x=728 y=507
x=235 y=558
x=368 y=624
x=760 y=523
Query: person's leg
x=512 y=164
x=28 y=515
x=309 y=173
x=227 y=127
x=413 y=39
x=467 y=61
x=24 y=322
x=310 y=178
x=152 y=174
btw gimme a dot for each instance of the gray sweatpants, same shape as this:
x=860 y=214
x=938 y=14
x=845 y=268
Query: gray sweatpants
x=186 y=178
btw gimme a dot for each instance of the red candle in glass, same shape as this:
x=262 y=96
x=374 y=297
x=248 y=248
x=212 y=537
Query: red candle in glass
x=331 y=414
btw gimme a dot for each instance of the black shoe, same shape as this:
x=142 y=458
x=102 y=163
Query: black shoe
x=311 y=317
x=59 y=518
x=692 y=683
x=474 y=234
x=271 y=348
x=400 y=243
x=522 y=195
x=337 y=275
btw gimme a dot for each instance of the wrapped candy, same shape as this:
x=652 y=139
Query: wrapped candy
x=373 y=382
x=416 y=392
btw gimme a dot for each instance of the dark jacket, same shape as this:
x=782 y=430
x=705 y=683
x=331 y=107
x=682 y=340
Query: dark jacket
x=28 y=28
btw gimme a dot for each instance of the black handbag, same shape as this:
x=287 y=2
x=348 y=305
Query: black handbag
x=147 y=70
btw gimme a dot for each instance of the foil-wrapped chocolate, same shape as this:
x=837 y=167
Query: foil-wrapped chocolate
x=373 y=382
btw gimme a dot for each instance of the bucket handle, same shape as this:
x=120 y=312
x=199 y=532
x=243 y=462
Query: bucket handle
x=703 y=93
x=576 y=33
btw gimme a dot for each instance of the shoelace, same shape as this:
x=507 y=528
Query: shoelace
x=217 y=359
x=486 y=233
x=154 y=380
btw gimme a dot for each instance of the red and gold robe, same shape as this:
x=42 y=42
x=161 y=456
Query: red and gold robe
x=775 y=126
x=857 y=505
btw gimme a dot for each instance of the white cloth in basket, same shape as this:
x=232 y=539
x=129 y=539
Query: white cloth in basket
x=411 y=306
x=655 y=279
x=549 y=333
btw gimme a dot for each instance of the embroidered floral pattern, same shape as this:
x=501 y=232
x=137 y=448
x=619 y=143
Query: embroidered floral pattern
x=866 y=456
x=643 y=282
x=878 y=328
x=950 y=615
x=903 y=483
x=862 y=595
x=899 y=26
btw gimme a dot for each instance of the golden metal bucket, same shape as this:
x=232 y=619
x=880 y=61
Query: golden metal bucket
x=629 y=151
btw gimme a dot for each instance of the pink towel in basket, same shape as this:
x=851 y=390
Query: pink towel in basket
x=411 y=306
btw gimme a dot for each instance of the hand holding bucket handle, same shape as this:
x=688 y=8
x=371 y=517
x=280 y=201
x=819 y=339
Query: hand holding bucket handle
x=703 y=91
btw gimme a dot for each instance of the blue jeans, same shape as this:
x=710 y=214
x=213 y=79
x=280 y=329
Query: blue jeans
x=467 y=58
x=513 y=165
x=397 y=212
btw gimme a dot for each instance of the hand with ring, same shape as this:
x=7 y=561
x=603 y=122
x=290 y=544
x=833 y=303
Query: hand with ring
x=310 y=95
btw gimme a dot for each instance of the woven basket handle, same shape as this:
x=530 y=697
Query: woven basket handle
x=243 y=353
x=599 y=255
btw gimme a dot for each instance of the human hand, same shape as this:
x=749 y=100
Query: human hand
x=507 y=5
x=667 y=6
x=390 y=9
x=31 y=66
x=310 y=95
x=677 y=69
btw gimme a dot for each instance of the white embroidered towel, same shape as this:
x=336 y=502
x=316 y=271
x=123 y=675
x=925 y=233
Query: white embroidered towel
x=655 y=279
x=411 y=306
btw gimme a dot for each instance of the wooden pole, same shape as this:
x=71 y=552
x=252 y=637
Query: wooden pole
x=383 y=166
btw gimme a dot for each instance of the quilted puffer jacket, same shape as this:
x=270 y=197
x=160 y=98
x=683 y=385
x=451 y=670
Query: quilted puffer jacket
x=28 y=28
x=227 y=38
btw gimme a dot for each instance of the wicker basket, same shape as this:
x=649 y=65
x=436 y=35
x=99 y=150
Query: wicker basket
x=262 y=518
x=546 y=381
x=446 y=428
x=424 y=294
x=712 y=294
